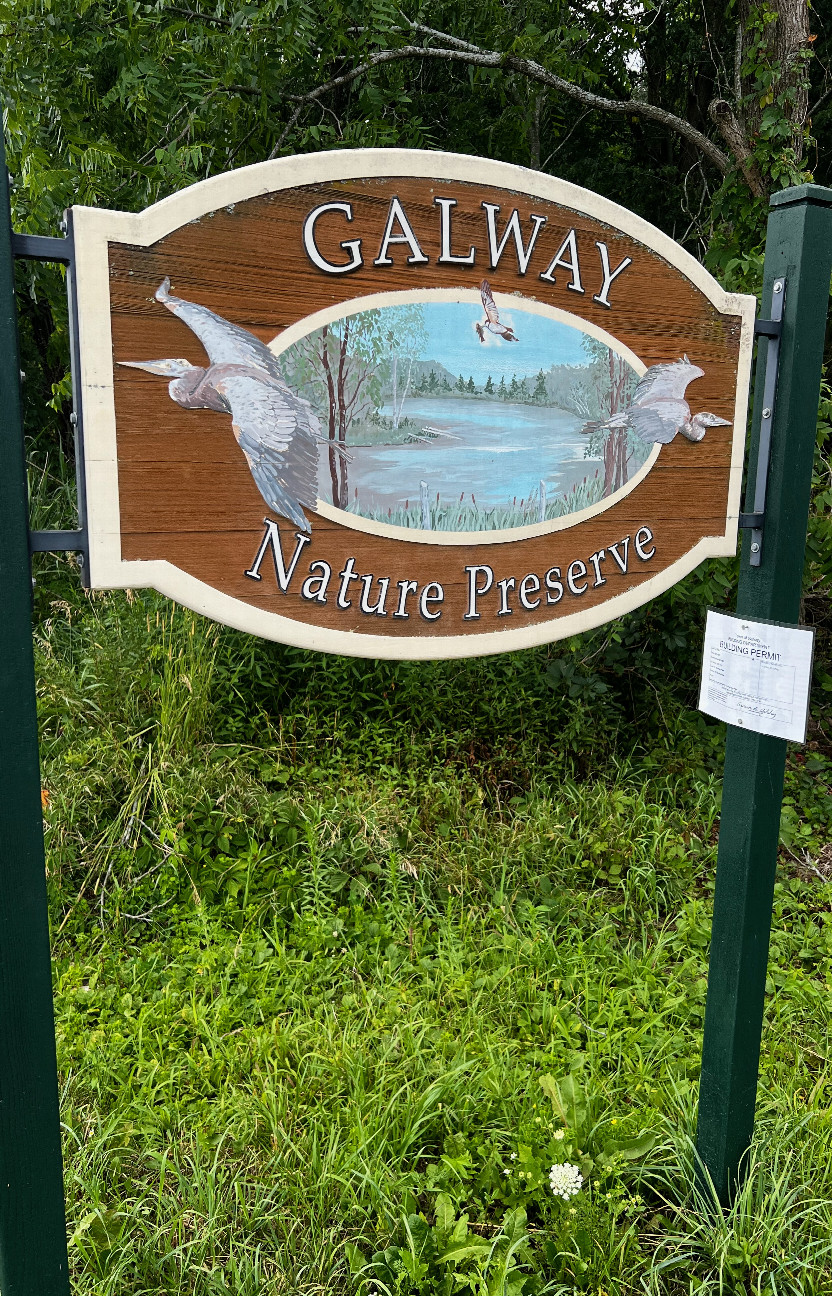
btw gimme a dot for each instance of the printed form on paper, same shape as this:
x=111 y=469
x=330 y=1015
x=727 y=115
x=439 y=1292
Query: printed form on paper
x=757 y=675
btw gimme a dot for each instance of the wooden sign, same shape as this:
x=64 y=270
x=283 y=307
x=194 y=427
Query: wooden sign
x=403 y=404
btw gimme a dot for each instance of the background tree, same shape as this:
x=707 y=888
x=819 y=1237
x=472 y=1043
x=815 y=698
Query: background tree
x=688 y=114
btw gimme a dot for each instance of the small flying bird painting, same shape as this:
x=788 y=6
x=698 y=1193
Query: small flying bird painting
x=491 y=323
x=277 y=431
x=659 y=410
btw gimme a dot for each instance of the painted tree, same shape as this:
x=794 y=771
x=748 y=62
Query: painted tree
x=608 y=388
x=341 y=369
x=405 y=339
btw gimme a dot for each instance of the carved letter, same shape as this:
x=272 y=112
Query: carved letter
x=596 y=559
x=376 y=608
x=314 y=587
x=272 y=537
x=504 y=586
x=529 y=585
x=643 y=537
x=426 y=597
x=609 y=275
x=475 y=590
x=614 y=551
x=397 y=213
x=346 y=575
x=572 y=264
x=554 y=589
x=513 y=227
x=447 y=257
x=405 y=587
x=577 y=570
x=354 y=245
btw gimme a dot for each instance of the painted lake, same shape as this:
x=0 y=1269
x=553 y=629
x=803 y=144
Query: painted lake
x=497 y=452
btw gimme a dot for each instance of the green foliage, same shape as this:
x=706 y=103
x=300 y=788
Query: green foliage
x=348 y=955
x=779 y=140
x=448 y=1259
x=118 y=105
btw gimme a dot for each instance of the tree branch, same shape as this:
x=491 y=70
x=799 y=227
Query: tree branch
x=565 y=139
x=201 y=17
x=818 y=104
x=727 y=123
x=522 y=67
x=286 y=129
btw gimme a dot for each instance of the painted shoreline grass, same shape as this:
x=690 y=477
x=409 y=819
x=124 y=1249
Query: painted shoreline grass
x=467 y=515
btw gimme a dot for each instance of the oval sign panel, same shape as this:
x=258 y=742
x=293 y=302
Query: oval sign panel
x=404 y=404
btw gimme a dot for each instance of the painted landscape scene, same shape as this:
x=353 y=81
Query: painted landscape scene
x=458 y=417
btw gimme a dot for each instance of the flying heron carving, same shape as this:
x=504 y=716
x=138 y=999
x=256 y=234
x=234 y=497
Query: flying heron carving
x=491 y=323
x=659 y=410
x=277 y=431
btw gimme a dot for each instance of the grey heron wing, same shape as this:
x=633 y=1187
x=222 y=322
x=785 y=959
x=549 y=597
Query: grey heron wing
x=225 y=343
x=650 y=425
x=662 y=381
x=277 y=431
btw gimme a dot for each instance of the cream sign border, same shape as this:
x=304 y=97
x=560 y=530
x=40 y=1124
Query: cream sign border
x=94 y=228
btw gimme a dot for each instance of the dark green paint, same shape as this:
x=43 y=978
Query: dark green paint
x=799 y=248
x=33 y=1258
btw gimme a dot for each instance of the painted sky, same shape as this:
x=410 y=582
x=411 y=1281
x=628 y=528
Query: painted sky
x=542 y=342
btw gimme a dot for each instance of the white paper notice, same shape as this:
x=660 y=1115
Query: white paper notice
x=756 y=675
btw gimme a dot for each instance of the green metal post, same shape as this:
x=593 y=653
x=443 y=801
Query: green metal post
x=33 y=1259
x=799 y=250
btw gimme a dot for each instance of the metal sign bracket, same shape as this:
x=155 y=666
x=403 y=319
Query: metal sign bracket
x=36 y=247
x=770 y=329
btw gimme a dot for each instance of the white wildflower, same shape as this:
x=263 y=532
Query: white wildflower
x=566 y=1180
x=514 y=1156
x=558 y=1134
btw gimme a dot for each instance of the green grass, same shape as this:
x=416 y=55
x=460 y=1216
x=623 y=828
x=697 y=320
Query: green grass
x=337 y=945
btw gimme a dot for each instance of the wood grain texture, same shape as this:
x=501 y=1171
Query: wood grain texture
x=186 y=494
